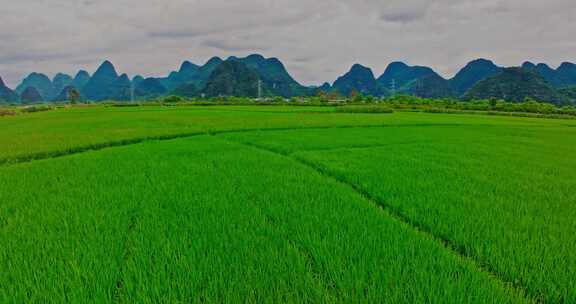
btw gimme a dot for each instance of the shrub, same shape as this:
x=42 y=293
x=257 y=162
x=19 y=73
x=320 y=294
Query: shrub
x=7 y=112
x=173 y=99
x=124 y=105
x=34 y=109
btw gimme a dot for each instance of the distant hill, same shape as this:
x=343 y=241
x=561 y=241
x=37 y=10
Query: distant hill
x=150 y=88
x=325 y=87
x=563 y=76
x=516 y=84
x=65 y=93
x=473 y=72
x=233 y=78
x=570 y=93
x=192 y=80
x=270 y=70
x=402 y=74
x=186 y=90
x=136 y=80
x=359 y=79
x=81 y=79
x=40 y=82
x=567 y=74
x=59 y=82
x=103 y=84
x=6 y=94
x=206 y=70
x=188 y=72
x=274 y=75
x=30 y=95
x=122 y=88
x=545 y=71
x=430 y=86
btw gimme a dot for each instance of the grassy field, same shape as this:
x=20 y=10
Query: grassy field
x=285 y=204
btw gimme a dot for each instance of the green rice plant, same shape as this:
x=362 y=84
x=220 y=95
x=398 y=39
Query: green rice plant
x=207 y=220
x=285 y=204
x=502 y=195
x=85 y=127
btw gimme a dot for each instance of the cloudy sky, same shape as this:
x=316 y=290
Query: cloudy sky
x=317 y=40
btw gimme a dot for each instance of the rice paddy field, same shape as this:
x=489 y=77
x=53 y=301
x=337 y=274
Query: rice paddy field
x=265 y=204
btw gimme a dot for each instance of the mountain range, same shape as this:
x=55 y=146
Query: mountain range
x=256 y=75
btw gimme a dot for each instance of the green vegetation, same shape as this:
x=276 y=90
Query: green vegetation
x=478 y=187
x=169 y=234
x=7 y=112
x=570 y=92
x=516 y=84
x=36 y=108
x=359 y=79
x=187 y=90
x=364 y=109
x=473 y=72
x=232 y=78
x=285 y=204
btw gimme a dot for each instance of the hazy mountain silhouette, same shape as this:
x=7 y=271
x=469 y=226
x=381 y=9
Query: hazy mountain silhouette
x=191 y=80
x=233 y=78
x=40 y=82
x=7 y=95
x=31 y=95
x=402 y=74
x=150 y=88
x=516 y=84
x=59 y=82
x=473 y=72
x=81 y=79
x=359 y=79
x=102 y=85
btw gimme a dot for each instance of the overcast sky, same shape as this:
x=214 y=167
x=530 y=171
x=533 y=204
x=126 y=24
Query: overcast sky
x=316 y=40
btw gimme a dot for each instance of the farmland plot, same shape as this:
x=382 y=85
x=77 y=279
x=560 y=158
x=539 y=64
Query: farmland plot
x=204 y=219
x=501 y=195
x=273 y=204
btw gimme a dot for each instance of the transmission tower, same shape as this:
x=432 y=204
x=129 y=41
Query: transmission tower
x=393 y=87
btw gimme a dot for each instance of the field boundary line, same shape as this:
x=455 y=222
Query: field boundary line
x=37 y=156
x=357 y=147
x=398 y=216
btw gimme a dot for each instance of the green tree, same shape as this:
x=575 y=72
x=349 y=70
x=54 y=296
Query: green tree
x=73 y=96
